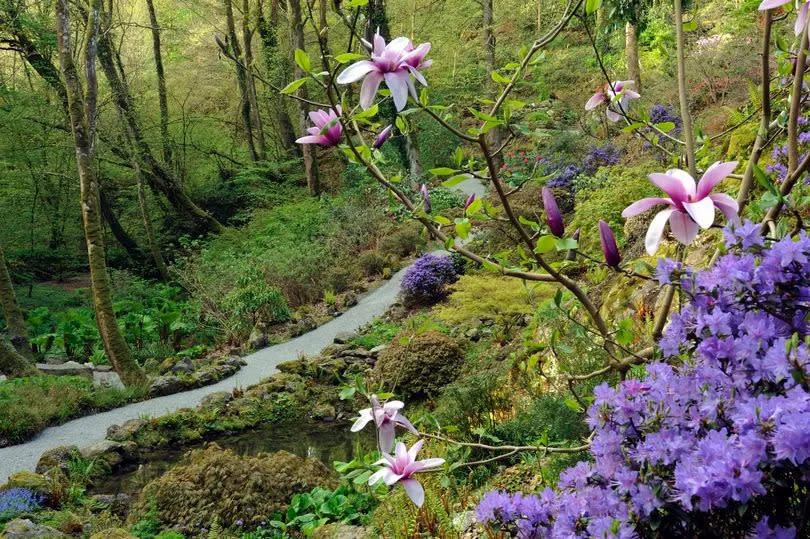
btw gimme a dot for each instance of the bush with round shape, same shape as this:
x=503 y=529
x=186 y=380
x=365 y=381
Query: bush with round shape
x=426 y=280
x=419 y=366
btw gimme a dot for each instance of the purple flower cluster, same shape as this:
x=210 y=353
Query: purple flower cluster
x=600 y=156
x=426 y=279
x=779 y=154
x=718 y=437
x=563 y=177
x=18 y=500
x=661 y=114
x=521 y=516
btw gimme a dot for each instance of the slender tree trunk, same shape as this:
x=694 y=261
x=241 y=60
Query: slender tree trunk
x=12 y=363
x=122 y=236
x=161 y=81
x=154 y=247
x=323 y=27
x=308 y=150
x=631 y=54
x=160 y=177
x=414 y=155
x=255 y=113
x=489 y=53
x=601 y=16
x=683 y=98
x=241 y=79
x=15 y=321
x=82 y=108
x=277 y=67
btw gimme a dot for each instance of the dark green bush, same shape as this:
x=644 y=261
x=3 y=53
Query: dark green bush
x=371 y=263
x=547 y=415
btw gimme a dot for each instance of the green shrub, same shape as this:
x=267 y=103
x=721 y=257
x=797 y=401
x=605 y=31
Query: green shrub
x=254 y=299
x=419 y=365
x=547 y=416
x=471 y=402
x=403 y=241
x=371 y=263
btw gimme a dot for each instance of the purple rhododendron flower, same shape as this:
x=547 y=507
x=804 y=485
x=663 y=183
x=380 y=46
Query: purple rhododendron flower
x=801 y=19
x=690 y=206
x=425 y=281
x=608 y=96
x=609 y=248
x=382 y=136
x=326 y=130
x=400 y=469
x=553 y=216
x=386 y=417
x=394 y=63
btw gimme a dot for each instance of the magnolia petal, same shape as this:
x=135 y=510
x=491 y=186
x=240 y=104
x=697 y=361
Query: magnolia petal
x=377 y=476
x=390 y=477
x=399 y=44
x=596 y=99
x=726 y=204
x=714 y=174
x=415 y=57
x=369 y=88
x=415 y=448
x=394 y=405
x=674 y=184
x=630 y=94
x=362 y=421
x=414 y=491
x=312 y=139
x=397 y=82
x=640 y=206
x=770 y=4
x=403 y=422
x=314 y=130
x=683 y=227
x=656 y=231
x=386 y=436
x=430 y=463
x=355 y=72
x=417 y=75
x=612 y=115
x=701 y=211
x=801 y=19
x=401 y=452
x=379 y=43
x=318 y=117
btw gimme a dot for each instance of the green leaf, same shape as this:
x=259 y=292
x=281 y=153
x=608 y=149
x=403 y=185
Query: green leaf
x=482 y=116
x=573 y=404
x=665 y=127
x=463 y=227
x=293 y=86
x=592 y=5
x=765 y=181
x=423 y=97
x=566 y=244
x=624 y=335
x=358 y=3
x=497 y=77
x=348 y=57
x=347 y=393
x=690 y=26
x=632 y=127
x=368 y=113
x=441 y=219
x=455 y=180
x=475 y=207
x=402 y=124
x=442 y=171
x=545 y=244
x=302 y=59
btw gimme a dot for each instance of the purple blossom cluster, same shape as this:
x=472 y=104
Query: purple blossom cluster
x=563 y=177
x=661 y=114
x=600 y=156
x=716 y=439
x=779 y=154
x=425 y=281
x=18 y=500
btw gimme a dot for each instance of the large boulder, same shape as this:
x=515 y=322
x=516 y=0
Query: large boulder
x=51 y=487
x=213 y=483
x=120 y=433
x=58 y=457
x=25 y=529
x=113 y=454
x=420 y=365
x=166 y=385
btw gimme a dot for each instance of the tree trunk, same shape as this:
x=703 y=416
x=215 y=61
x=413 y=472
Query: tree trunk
x=12 y=363
x=601 y=17
x=241 y=79
x=414 y=155
x=157 y=256
x=255 y=113
x=308 y=150
x=15 y=321
x=277 y=67
x=489 y=53
x=323 y=34
x=631 y=54
x=161 y=81
x=122 y=236
x=82 y=108
x=161 y=179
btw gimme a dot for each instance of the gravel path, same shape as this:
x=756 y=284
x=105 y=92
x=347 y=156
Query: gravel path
x=87 y=430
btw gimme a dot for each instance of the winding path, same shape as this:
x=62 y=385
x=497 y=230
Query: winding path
x=87 y=430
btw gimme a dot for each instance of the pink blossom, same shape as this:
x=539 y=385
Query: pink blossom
x=401 y=468
x=690 y=206
x=394 y=63
x=606 y=96
x=386 y=417
x=327 y=129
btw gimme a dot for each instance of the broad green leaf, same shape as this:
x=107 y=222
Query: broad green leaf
x=765 y=181
x=481 y=116
x=665 y=127
x=690 y=26
x=293 y=86
x=455 y=180
x=475 y=207
x=573 y=404
x=566 y=244
x=441 y=219
x=443 y=171
x=497 y=77
x=463 y=227
x=592 y=5
x=348 y=57
x=545 y=244
x=632 y=127
x=302 y=59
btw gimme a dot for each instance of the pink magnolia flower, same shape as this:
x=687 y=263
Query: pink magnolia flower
x=386 y=417
x=425 y=198
x=690 y=206
x=606 y=96
x=470 y=200
x=394 y=63
x=326 y=130
x=609 y=248
x=553 y=216
x=401 y=468
x=801 y=18
x=382 y=136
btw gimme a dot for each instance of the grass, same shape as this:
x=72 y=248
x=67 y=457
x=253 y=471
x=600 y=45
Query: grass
x=30 y=404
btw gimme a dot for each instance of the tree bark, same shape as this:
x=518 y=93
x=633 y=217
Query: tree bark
x=631 y=54
x=82 y=108
x=308 y=150
x=255 y=113
x=122 y=236
x=277 y=67
x=161 y=82
x=162 y=179
x=13 y=315
x=488 y=36
x=154 y=247
x=12 y=363
x=241 y=79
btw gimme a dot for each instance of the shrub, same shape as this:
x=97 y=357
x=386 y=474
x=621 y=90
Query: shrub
x=720 y=439
x=473 y=401
x=371 y=263
x=548 y=416
x=256 y=300
x=426 y=280
x=217 y=484
x=442 y=198
x=420 y=365
x=600 y=156
x=401 y=242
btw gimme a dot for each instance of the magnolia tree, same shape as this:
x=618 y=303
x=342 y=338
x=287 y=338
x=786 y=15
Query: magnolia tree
x=717 y=432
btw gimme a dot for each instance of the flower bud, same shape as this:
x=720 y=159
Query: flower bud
x=609 y=248
x=553 y=217
x=382 y=137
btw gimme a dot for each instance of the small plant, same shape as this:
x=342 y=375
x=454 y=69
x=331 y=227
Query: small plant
x=329 y=297
x=311 y=510
x=426 y=280
x=16 y=501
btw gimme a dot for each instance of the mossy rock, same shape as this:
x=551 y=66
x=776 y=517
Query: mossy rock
x=525 y=477
x=113 y=533
x=420 y=365
x=213 y=483
x=51 y=486
x=58 y=457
